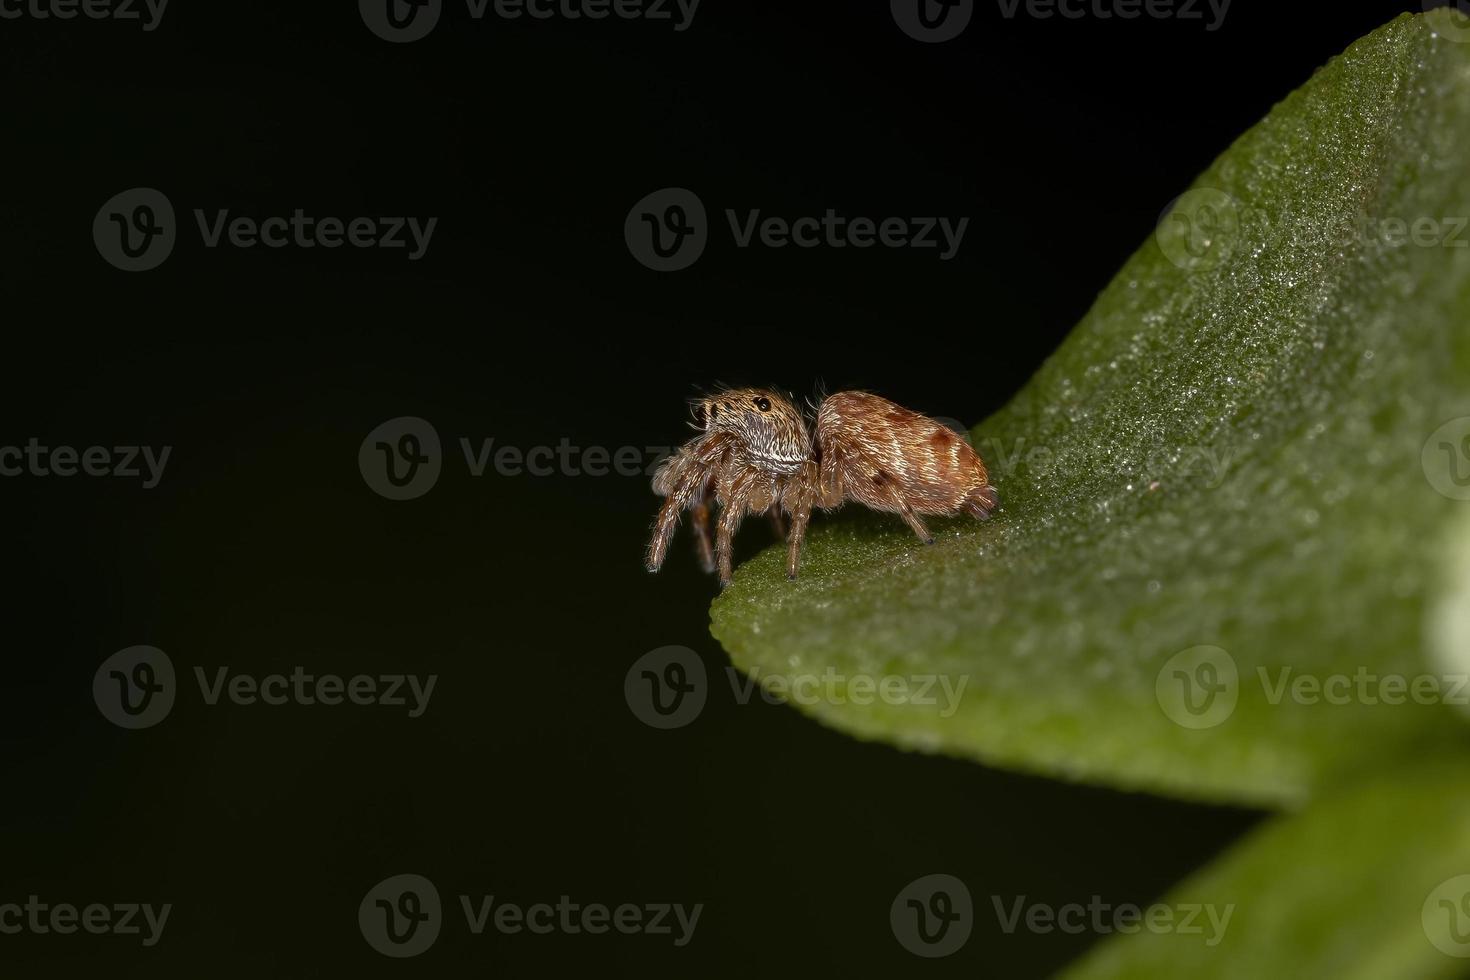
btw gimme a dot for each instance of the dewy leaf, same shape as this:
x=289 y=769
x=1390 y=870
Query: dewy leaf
x=1224 y=495
x=1369 y=885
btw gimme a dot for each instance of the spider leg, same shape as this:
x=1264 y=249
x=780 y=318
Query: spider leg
x=778 y=523
x=798 y=502
x=830 y=479
x=732 y=512
x=981 y=502
x=879 y=489
x=684 y=489
x=703 y=545
x=912 y=520
x=799 y=518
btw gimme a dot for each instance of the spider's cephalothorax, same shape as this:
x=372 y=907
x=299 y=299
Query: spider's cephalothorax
x=756 y=455
x=751 y=452
x=763 y=429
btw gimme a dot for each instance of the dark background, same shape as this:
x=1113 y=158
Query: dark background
x=528 y=321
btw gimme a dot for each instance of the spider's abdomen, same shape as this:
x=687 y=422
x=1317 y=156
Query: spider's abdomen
x=886 y=457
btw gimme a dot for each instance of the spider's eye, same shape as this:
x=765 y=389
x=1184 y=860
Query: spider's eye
x=763 y=403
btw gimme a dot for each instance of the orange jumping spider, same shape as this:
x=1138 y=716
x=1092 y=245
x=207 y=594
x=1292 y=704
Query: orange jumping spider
x=755 y=455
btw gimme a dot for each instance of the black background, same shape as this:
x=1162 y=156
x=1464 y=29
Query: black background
x=528 y=321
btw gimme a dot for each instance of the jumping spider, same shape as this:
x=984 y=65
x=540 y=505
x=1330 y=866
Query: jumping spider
x=755 y=455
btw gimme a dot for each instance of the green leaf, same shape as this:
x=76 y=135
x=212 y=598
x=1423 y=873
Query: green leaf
x=1292 y=906
x=1241 y=447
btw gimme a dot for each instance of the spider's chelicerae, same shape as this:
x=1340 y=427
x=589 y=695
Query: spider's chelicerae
x=756 y=455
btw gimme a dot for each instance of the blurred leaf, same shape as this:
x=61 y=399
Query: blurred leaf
x=1240 y=447
x=1337 y=891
